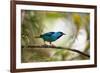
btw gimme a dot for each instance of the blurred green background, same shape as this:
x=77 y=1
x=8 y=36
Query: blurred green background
x=74 y=24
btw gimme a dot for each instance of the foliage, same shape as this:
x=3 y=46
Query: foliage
x=33 y=24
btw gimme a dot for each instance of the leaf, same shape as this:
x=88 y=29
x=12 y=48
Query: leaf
x=77 y=20
x=54 y=15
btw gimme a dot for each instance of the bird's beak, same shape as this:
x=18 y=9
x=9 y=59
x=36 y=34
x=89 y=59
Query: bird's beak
x=64 y=34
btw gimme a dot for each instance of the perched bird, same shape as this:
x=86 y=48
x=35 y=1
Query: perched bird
x=51 y=36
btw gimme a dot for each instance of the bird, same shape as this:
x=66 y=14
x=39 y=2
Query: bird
x=51 y=36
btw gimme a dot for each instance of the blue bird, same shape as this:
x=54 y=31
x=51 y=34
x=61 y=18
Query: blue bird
x=51 y=36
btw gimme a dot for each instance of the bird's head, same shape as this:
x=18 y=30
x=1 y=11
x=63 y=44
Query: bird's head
x=62 y=33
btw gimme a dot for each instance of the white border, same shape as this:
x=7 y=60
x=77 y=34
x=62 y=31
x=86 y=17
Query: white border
x=51 y=64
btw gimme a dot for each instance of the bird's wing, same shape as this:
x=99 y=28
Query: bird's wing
x=49 y=34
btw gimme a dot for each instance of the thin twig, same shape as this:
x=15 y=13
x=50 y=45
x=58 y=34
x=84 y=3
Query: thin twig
x=48 y=46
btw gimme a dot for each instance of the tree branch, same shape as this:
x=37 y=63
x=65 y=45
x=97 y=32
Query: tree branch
x=48 y=46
